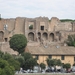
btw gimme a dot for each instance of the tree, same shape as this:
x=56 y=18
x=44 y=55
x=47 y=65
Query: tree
x=21 y=60
x=5 y=68
x=1 y=54
x=71 y=40
x=11 y=61
x=26 y=55
x=67 y=66
x=53 y=62
x=18 y=42
x=14 y=63
x=58 y=62
x=43 y=66
x=30 y=62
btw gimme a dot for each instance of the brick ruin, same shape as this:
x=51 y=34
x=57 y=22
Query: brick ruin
x=38 y=31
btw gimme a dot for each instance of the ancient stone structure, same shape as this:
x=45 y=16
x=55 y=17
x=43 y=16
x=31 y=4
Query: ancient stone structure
x=43 y=29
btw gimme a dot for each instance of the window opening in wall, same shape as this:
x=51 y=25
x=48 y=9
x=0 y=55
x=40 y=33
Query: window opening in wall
x=62 y=57
x=6 y=39
x=37 y=57
x=42 y=27
x=50 y=56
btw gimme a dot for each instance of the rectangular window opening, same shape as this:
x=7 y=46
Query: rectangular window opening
x=50 y=56
x=62 y=57
x=37 y=57
x=42 y=27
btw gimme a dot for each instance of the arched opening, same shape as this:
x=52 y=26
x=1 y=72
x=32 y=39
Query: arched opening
x=58 y=35
x=31 y=36
x=51 y=37
x=1 y=36
x=39 y=36
x=45 y=36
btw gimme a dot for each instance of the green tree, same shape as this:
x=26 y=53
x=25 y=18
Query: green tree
x=18 y=42
x=21 y=60
x=26 y=55
x=11 y=61
x=30 y=62
x=53 y=62
x=5 y=68
x=67 y=66
x=58 y=62
x=14 y=63
x=1 y=54
x=71 y=40
x=43 y=66
x=7 y=56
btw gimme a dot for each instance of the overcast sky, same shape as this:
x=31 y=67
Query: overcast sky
x=63 y=9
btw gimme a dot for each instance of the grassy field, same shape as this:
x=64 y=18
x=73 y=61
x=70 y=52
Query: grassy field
x=47 y=74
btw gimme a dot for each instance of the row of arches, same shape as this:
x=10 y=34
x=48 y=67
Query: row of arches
x=42 y=36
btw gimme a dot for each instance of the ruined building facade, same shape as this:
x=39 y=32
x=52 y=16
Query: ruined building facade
x=39 y=29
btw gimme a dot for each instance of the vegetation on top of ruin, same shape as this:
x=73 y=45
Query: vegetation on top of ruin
x=71 y=40
x=66 y=20
x=31 y=27
x=49 y=20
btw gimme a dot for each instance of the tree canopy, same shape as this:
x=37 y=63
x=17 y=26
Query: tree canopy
x=5 y=68
x=67 y=66
x=71 y=40
x=53 y=62
x=30 y=62
x=18 y=42
x=42 y=65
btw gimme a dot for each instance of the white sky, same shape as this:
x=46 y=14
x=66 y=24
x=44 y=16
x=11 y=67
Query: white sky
x=63 y=9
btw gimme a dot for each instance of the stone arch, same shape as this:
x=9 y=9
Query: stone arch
x=1 y=36
x=45 y=36
x=39 y=36
x=31 y=36
x=51 y=37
